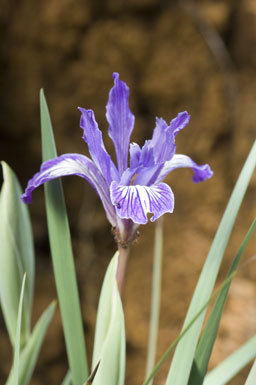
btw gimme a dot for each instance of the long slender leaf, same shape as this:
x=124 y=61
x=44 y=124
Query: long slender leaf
x=104 y=311
x=233 y=364
x=155 y=296
x=182 y=361
x=17 y=341
x=62 y=258
x=251 y=379
x=16 y=256
x=109 y=346
x=204 y=349
x=29 y=354
x=67 y=379
x=186 y=329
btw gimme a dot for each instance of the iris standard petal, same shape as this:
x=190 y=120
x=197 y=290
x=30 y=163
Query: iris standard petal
x=72 y=164
x=135 y=152
x=201 y=172
x=121 y=121
x=141 y=157
x=93 y=137
x=135 y=202
x=163 y=139
x=147 y=155
x=178 y=123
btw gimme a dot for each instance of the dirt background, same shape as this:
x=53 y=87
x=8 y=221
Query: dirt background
x=199 y=56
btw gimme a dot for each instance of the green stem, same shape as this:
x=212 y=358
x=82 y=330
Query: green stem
x=155 y=296
x=121 y=267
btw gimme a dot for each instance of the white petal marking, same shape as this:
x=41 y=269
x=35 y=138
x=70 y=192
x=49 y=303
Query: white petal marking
x=135 y=202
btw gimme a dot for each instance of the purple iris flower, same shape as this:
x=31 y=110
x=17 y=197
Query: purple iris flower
x=129 y=193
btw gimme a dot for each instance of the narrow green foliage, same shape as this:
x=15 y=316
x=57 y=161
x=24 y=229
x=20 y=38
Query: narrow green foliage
x=204 y=349
x=16 y=256
x=184 y=354
x=155 y=296
x=251 y=379
x=62 y=258
x=67 y=380
x=17 y=341
x=109 y=343
x=185 y=330
x=29 y=354
x=233 y=364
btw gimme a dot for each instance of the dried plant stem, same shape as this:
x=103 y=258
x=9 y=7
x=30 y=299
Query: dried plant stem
x=121 y=268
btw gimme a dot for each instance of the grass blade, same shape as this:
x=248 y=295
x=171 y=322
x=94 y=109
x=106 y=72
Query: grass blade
x=16 y=256
x=155 y=296
x=233 y=364
x=182 y=361
x=186 y=329
x=204 y=349
x=62 y=257
x=29 y=354
x=251 y=379
x=17 y=341
x=67 y=379
x=109 y=345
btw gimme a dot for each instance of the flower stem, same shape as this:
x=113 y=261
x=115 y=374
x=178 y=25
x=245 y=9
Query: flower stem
x=155 y=297
x=121 y=267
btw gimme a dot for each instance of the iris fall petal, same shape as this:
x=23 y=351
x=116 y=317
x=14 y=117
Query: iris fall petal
x=135 y=202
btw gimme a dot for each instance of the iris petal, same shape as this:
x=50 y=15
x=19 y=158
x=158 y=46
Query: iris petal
x=93 y=137
x=148 y=175
x=72 y=164
x=147 y=155
x=163 y=139
x=135 y=202
x=135 y=153
x=201 y=172
x=121 y=121
x=178 y=123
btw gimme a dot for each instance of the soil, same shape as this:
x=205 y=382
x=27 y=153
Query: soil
x=175 y=56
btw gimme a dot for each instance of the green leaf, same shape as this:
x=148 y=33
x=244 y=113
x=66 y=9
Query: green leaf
x=251 y=379
x=29 y=354
x=16 y=256
x=67 y=379
x=182 y=361
x=155 y=296
x=204 y=349
x=109 y=343
x=17 y=341
x=233 y=364
x=62 y=258
x=186 y=329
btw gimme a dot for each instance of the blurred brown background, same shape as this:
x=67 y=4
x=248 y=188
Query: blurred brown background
x=197 y=56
